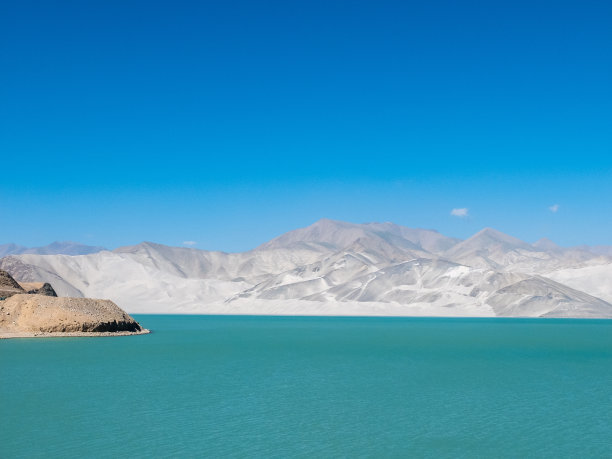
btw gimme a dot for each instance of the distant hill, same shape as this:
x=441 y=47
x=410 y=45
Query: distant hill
x=55 y=248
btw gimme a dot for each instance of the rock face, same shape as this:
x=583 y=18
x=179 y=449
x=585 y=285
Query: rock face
x=8 y=285
x=38 y=288
x=26 y=313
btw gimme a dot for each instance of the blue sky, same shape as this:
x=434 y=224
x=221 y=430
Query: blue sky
x=228 y=123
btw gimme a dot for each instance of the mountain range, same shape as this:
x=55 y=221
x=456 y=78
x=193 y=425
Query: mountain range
x=340 y=268
x=55 y=248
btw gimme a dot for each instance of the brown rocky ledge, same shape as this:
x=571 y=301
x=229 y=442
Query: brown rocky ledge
x=27 y=315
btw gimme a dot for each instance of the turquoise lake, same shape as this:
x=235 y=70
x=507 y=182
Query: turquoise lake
x=244 y=386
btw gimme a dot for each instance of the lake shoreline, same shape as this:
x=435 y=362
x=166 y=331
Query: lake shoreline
x=11 y=335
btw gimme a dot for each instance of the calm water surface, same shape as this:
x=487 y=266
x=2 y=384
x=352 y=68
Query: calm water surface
x=313 y=387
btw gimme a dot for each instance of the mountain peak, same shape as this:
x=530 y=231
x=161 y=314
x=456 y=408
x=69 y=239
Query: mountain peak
x=329 y=223
x=488 y=239
x=144 y=245
x=337 y=235
x=545 y=244
x=490 y=232
x=495 y=235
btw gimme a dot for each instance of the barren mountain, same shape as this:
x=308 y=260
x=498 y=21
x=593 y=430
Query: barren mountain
x=335 y=267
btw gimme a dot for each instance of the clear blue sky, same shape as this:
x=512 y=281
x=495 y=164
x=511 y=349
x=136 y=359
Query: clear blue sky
x=228 y=123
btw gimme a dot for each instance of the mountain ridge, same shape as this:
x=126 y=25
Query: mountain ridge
x=54 y=248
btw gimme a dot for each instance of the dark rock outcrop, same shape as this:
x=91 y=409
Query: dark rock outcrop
x=8 y=285
x=45 y=289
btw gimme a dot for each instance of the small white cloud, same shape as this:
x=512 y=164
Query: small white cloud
x=189 y=243
x=554 y=208
x=463 y=212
